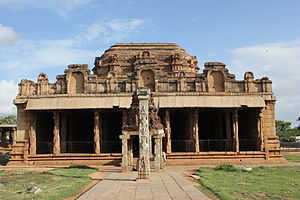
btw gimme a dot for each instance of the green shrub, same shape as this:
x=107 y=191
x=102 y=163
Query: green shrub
x=227 y=168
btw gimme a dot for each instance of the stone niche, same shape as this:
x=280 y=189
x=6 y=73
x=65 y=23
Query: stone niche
x=147 y=79
x=216 y=81
x=76 y=83
x=76 y=76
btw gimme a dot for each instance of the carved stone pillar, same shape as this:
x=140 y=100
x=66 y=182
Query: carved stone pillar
x=236 y=131
x=144 y=136
x=56 y=139
x=97 y=132
x=32 y=136
x=124 y=164
x=168 y=132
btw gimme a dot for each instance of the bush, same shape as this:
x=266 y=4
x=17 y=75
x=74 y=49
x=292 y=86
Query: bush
x=227 y=168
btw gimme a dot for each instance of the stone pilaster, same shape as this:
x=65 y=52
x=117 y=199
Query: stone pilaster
x=144 y=136
x=56 y=138
x=32 y=139
x=97 y=132
x=168 y=131
x=124 y=164
x=235 y=131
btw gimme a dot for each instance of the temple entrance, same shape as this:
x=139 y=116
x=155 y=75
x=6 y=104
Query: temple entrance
x=111 y=124
x=77 y=132
x=248 y=129
x=215 y=130
x=44 y=132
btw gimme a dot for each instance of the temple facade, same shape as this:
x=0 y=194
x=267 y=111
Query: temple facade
x=92 y=117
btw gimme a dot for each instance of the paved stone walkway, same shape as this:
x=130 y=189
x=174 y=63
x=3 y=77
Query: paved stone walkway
x=167 y=184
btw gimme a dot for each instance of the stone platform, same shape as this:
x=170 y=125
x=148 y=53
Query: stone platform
x=167 y=184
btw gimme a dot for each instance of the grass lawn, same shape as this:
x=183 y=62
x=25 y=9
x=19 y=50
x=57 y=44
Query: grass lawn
x=292 y=158
x=55 y=184
x=260 y=183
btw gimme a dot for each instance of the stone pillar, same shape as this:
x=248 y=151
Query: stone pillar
x=195 y=131
x=56 y=139
x=130 y=152
x=32 y=139
x=158 y=159
x=228 y=132
x=124 y=164
x=236 y=131
x=144 y=136
x=260 y=130
x=14 y=136
x=97 y=132
x=168 y=131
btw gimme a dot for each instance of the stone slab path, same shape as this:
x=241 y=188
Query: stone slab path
x=164 y=185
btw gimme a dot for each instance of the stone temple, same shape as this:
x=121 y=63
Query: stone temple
x=192 y=115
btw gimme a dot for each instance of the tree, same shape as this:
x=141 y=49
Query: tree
x=282 y=126
x=285 y=132
x=9 y=119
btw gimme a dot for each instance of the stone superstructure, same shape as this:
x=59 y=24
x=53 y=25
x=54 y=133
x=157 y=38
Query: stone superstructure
x=92 y=116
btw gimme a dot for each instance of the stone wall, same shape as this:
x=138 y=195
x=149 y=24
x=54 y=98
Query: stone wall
x=24 y=122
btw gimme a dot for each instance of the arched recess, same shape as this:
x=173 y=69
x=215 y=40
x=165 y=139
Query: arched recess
x=147 y=80
x=76 y=83
x=216 y=81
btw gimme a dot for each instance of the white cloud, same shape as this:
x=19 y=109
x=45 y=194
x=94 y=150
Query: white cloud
x=281 y=62
x=8 y=36
x=62 y=7
x=33 y=55
x=113 y=30
x=8 y=93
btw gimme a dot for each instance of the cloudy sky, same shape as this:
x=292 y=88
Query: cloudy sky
x=262 y=36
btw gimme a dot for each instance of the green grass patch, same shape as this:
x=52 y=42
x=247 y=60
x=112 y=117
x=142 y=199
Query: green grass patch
x=55 y=184
x=292 y=158
x=260 y=183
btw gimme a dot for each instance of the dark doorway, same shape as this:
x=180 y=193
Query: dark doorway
x=44 y=132
x=181 y=141
x=111 y=130
x=215 y=131
x=248 y=129
x=77 y=131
